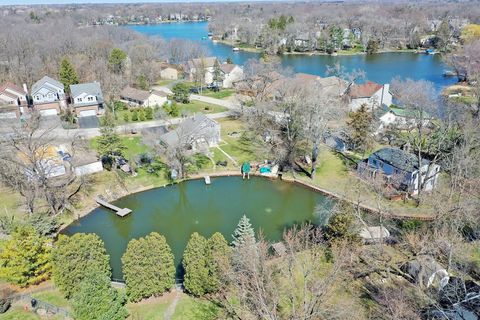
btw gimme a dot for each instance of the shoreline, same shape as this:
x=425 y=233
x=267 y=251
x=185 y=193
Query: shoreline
x=83 y=212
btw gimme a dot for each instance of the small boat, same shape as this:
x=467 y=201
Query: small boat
x=215 y=41
x=207 y=180
x=448 y=73
x=430 y=51
x=204 y=38
x=235 y=49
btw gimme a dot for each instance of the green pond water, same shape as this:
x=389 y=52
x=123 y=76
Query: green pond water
x=179 y=210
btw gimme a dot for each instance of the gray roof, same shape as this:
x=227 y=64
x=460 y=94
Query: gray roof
x=398 y=158
x=206 y=62
x=92 y=88
x=40 y=83
x=190 y=128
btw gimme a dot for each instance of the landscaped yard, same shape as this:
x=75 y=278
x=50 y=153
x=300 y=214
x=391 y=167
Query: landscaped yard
x=222 y=94
x=198 y=106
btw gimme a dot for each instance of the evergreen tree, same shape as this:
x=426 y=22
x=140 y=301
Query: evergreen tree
x=148 y=267
x=117 y=60
x=68 y=75
x=217 y=72
x=181 y=93
x=25 y=258
x=109 y=144
x=195 y=265
x=96 y=299
x=360 y=128
x=74 y=257
x=218 y=261
x=143 y=82
x=244 y=233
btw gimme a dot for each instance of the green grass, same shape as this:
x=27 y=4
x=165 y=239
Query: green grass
x=17 y=313
x=195 y=309
x=133 y=145
x=198 y=106
x=164 y=82
x=54 y=297
x=147 y=310
x=222 y=94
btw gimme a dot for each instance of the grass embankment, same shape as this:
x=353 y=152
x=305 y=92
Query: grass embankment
x=199 y=107
x=222 y=94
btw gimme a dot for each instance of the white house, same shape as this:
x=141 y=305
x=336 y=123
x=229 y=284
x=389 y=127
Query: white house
x=168 y=72
x=87 y=99
x=370 y=94
x=13 y=101
x=402 y=118
x=195 y=132
x=401 y=169
x=231 y=73
x=136 y=97
x=48 y=96
x=203 y=68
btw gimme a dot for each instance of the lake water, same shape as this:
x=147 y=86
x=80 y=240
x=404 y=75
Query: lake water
x=379 y=67
x=179 y=210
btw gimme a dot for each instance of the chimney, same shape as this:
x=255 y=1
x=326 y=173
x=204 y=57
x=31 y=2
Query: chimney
x=25 y=88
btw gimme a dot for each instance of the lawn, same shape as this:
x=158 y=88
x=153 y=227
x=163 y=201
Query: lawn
x=133 y=146
x=195 y=309
x=148 y=310
x=53 y=296
x=16 y=312
x=198 y=106
x=222 y=94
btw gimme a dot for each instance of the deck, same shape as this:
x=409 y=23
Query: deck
x=119 y=211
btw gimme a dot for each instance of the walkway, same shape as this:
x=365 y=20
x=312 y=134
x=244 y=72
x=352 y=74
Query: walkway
x=171 y=308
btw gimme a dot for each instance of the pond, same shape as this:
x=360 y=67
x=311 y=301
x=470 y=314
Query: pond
x=381 y=68
x=179 y=210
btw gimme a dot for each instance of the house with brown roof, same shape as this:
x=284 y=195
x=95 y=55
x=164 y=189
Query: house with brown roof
x=143 y=98
x=203 y=67
x=168 y=72
x=231 y=73
x=13 y=101
x=370 y=94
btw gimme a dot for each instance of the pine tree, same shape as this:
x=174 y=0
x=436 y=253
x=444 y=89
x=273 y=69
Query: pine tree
x=96 y=299
x=360 y=128
x=218 y=261
x=117 y=60
x=68 y=75
x=148 y=267
x=244 y=233
x=217 y=72
x=195 y=265
x=74 y=257
x=109 y=144
x=25 y=259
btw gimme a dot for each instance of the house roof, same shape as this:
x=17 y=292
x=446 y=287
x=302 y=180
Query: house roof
x=11 y=87
x=398 y=158
x=364 y=90
x=46 y=79
x=160 y=93
x=227 y=67
x=401 y=112
x=188 y=128
x=134 y=94
x=92 y=88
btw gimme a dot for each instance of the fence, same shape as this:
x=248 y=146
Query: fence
x=49 y=308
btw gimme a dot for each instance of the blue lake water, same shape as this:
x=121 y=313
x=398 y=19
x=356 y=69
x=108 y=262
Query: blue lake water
x=381 y=68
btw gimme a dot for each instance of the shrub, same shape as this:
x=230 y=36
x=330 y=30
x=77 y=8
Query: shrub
x=141 y=115
x=149 y=113
x=25 y=258
x=134 y=115
x=148 y=267
x=44 y=224
x=74 y=257
x=126 y=117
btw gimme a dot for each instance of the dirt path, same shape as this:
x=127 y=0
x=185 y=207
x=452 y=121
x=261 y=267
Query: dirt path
x=171 y=308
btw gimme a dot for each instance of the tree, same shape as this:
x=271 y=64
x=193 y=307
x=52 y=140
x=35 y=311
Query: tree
x=117 y=60
x=359 y=126
x=372 y=46
x=217 y=72
x=195 y=265
x=67 y=74
x=218 y=261
x=109 y=144
x=143 y=82
x=74 y=257
x=25 y=258
x=181 y=93
x=96 y=299
x=148 y=267
x=244 y=235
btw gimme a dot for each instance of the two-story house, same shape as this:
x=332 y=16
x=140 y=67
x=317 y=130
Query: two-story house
x=48 y=96
x=403 y=118
x=201 y=69
x=87 y=99
x=231 y=73
x=13 y=101
x=401 y=169
x=370 y=94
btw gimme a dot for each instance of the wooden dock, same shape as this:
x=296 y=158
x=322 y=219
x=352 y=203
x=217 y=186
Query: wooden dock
x=119 y=211
x=207 y=180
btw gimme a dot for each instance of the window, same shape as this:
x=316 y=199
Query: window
x=374 y=162
x=79 y=99
x=90 y=98
x=380 y=164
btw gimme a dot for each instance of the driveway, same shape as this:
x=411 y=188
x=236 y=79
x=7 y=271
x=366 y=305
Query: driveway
x=88 y=122
x=232 y=104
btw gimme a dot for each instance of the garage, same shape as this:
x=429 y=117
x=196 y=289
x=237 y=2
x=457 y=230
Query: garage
x=87 y=113
x=48 y=112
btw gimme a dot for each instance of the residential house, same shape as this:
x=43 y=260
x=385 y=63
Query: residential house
x=402 y=118
x=168 y=72
x=370 y=94
x=87 y=99
x=201 y=69
x=48 y=96
x=303 y=43
x=142 y=98
x=231 y=73
x=401 y=169
x=194 y=133
x=13 y=101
